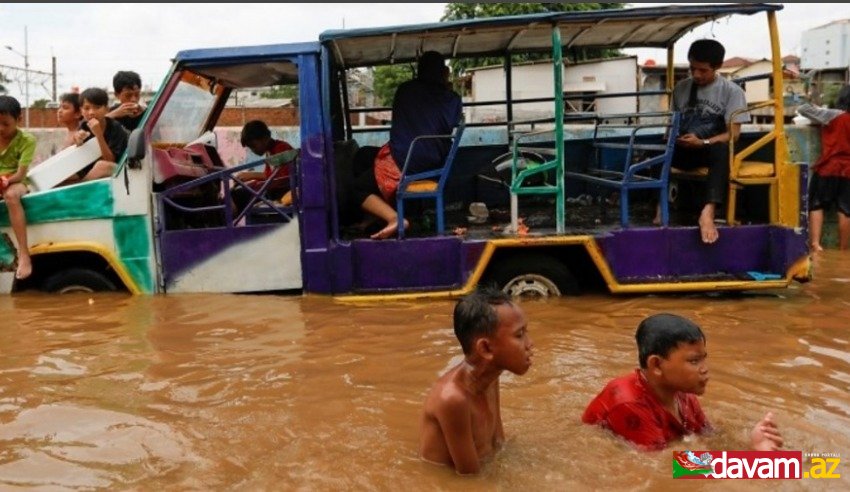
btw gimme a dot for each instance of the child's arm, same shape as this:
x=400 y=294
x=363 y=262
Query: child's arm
x=250 y=175
x=455 y=420
x=27 y=154
x=16 y=177
x=97 y=130
x=499 y=438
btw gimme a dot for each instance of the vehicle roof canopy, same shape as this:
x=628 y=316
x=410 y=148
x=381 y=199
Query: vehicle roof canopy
x=247 y=66
x=647 y=27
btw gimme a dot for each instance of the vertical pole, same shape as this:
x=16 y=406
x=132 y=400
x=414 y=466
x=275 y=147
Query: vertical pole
x=27 y=77
x=509 y=106
x=53 y=63
x=671 y=76
x=558 y=71
x=343 y=79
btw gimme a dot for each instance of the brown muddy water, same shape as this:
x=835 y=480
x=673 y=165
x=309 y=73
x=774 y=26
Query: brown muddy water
x=227 y=392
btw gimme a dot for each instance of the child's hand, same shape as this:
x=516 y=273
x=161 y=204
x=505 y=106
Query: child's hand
x=765 y=435
x=128 y=109
x=95 y=127
x=80 y=137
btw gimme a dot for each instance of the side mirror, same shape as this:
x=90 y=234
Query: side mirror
x=136 y=148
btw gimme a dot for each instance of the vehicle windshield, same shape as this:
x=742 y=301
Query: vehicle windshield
x=187 y=110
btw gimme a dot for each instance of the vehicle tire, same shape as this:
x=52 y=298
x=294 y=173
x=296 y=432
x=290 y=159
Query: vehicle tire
x=77 y=280
x=537 y=276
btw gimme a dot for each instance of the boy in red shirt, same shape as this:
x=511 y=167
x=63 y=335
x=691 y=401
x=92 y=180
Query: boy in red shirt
x=830 y=181
x=657 y=403
x=258 y=138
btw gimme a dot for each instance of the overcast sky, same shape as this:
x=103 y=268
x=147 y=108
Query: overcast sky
x=92 y=41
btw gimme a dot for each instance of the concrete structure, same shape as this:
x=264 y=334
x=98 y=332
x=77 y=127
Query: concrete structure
x=738 y=67
x=535 y=79
x=827 y=46
x=825 y=59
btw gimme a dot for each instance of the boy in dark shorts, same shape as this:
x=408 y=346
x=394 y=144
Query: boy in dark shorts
x=657 y=403
x=831 y=173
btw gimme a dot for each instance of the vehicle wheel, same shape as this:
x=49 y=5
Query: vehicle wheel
x=77 y=280
x=537 y=276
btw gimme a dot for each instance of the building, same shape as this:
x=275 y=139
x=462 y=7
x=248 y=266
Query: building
x=581 y=83
x=825 y=59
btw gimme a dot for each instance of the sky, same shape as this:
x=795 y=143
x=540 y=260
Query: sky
x=92 y=41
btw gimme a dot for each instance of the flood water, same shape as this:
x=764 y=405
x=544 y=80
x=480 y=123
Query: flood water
x=230 y=392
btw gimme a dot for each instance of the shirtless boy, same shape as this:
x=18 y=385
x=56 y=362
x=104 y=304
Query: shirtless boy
x=461 y=422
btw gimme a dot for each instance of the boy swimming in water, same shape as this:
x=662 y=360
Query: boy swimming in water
x=461 y=422
x=657 y=403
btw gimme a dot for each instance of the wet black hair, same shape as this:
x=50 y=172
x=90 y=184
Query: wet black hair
x=94 y=95
x=661 y=333
x=707 y=51
x=843 y=101
x=125 y=78
x=431 y=67
x=254 y=130
x=475 y=315
x=71 y=98
x=9 y=105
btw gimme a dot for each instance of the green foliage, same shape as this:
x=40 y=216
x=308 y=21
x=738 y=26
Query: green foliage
x=40 y=103
x=458 y=11
x=455 y=11
x=387 y=78
x=281 y=92
x=829 y=96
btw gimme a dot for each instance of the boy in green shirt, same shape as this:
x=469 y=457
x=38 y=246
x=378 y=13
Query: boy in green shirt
x=17 y=148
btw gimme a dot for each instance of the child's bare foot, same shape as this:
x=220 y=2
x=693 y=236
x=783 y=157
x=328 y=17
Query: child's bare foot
x=24 y=268
x=816 y=248
x=707 y=229
x=389 y=230
x=657 y=219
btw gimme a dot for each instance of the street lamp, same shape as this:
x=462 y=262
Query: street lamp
x=25 y=54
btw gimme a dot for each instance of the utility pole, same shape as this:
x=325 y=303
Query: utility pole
x=53 y=58
x=26 y=55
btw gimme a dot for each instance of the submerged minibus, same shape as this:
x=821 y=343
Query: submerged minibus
x=543 y=206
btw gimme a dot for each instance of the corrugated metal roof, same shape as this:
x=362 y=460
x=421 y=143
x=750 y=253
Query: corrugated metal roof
x=621 y=28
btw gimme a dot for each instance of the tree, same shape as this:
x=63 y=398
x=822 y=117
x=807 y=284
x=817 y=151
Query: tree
x=281 y=92
x=40 y=103
x=387 y=78
x=458 y=11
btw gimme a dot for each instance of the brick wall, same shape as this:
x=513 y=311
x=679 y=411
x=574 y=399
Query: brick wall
x=272 y=116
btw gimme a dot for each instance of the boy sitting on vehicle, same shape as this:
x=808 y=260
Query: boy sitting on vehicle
x=258 y=138
x=17 y=148
x=461 y=423
x=128 y=90
x=657 y=403
x=111 y=136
